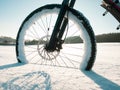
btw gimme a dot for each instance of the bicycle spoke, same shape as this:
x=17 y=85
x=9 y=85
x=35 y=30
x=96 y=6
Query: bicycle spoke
x=63 y=61
x=43 y=24
x=41 y=27
x=33 y=57
x=32 y=31
x=30 y=53
x=31 y=47
x=50 y=21
x=70 y=59
x=69 y=62
x=35 y=32
x=75 y=55
x=72 y=47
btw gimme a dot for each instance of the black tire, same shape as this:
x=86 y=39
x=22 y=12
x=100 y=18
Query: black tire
x=29 y=41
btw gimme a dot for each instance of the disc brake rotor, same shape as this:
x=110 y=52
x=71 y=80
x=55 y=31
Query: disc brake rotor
x=43 y=52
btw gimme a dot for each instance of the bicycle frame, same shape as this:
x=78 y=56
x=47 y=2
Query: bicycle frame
x=56 y=41
x=112 y=8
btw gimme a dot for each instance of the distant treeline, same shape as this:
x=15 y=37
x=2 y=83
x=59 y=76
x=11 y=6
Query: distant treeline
x=7 y=41
x=111 y=37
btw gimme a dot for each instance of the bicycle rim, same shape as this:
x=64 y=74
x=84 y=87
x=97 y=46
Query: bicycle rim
x=36 y=30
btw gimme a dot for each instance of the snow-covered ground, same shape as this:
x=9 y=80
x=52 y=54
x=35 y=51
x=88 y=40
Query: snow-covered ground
x=105 y=74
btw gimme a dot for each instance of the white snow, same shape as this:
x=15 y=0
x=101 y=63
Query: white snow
x=104 y=76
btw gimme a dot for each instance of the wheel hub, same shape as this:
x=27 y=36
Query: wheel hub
x=44 y=52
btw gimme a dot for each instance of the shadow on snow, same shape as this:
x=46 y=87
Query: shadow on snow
x=11 y=65
x=103 y=82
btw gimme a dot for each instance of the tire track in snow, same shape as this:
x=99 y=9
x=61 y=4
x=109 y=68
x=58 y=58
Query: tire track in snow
x=30 y=81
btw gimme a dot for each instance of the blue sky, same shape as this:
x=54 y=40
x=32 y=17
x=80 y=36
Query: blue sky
x=13 y=12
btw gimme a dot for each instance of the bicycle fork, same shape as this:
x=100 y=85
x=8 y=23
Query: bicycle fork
x=56 y=41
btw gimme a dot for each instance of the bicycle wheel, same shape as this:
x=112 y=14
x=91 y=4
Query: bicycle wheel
x=78 y=49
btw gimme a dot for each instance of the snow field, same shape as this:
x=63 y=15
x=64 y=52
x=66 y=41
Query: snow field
x=104 y=76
